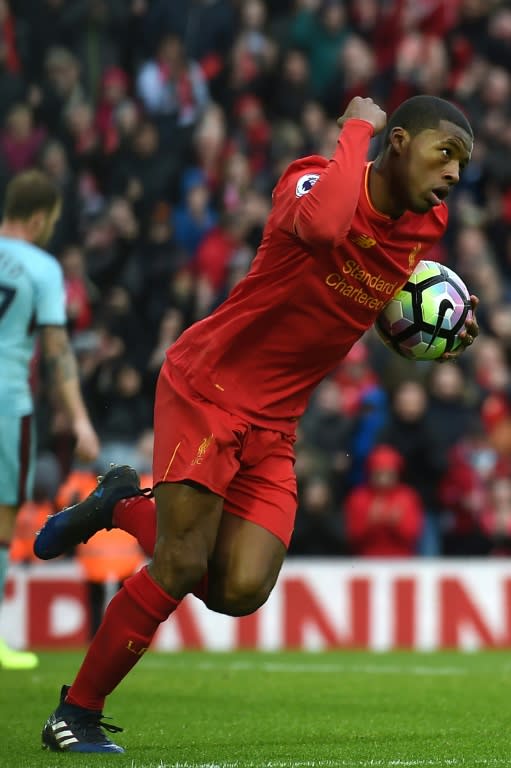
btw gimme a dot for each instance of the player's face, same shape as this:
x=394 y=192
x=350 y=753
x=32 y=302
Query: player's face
x=431 y=166
x=48 y=226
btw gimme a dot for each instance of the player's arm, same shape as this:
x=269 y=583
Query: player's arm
x=323 y=216
x=62 y=371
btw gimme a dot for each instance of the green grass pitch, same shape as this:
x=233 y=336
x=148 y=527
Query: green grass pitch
x=277 y=710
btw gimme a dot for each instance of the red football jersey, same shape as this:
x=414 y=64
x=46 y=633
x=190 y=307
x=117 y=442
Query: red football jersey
x=327 y=265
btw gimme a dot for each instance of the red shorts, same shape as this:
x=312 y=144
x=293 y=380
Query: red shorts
x=250 y=467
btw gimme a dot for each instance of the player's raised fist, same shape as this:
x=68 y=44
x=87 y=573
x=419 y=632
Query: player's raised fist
x=364 y=109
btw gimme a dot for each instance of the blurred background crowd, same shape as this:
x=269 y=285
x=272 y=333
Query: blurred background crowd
x=166 y=124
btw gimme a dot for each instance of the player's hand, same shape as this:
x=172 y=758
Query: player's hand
x=468 y=335
x=364 y=109
x=87 y=441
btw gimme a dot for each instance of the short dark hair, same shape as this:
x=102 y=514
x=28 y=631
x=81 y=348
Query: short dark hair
x=29 y=192
x=422 y=112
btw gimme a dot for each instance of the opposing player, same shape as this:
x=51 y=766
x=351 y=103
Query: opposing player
x=32 y=303
x=342 y=237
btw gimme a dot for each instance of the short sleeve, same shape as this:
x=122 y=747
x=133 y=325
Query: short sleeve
x=50 y=296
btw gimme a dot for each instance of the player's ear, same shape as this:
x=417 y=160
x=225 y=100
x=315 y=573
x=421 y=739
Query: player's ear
x=398 y=139
x=36 y=224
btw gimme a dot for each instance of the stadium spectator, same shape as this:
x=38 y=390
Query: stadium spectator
x=208 y=26
x=20 y=139
x=313 y=126
x=170 y=328
x=209 y=143
x=103 y=257
x=48 y=25
x=60 y=89
x=355 y=377
x=354 y=74
x=452 y=405
x=383 y=517
x=252 y=133
x=10 y=39
x=119 y=314
x=80 y=293
x=54 y=161
x=126 y=120
x=367 y=424
x=173 y=91
x=492 y=376
x=13 y=86
x=293 y=87
x=410 y=432
x=318 y=531
x=114 y=94
x=145 y=172
x=326 y=426
x=99 y=42
x=496 y=516
x=82 y=139
x=125 y=411
x=253 y=57
x=472 y=462
x=321 y=33
x=194 y=217
x=236 y=181
x=160 y=260
x=217 y=251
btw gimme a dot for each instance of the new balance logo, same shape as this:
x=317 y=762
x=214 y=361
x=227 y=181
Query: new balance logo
x=63 y=735
x=364 y=241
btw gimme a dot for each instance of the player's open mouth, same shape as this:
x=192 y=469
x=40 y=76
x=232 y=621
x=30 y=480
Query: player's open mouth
x=438 y=194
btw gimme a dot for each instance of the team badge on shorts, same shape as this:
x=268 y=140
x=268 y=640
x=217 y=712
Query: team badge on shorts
x=305 y=183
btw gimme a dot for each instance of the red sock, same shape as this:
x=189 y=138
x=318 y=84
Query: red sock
x=130 y=622
x=137 y=515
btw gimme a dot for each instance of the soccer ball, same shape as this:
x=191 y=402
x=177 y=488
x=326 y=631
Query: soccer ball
x=424 y=318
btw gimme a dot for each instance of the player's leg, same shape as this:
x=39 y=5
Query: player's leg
x=199 y=452
x=188 y=518
x=244 y=567
x=16 y=470
x=187 y=523
x=256 y=527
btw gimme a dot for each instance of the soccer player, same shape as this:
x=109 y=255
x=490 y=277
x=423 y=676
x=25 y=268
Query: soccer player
x=343 y=236
x=32 y=304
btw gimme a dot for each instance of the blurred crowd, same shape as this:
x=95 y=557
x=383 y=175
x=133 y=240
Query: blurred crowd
x=166 y=125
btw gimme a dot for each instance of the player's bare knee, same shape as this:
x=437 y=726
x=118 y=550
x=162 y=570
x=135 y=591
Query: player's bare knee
x=242 y=596
x=177 y=567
